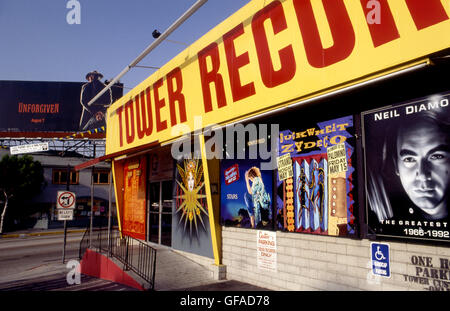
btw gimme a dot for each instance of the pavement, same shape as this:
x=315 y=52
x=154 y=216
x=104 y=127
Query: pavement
x=174 y=272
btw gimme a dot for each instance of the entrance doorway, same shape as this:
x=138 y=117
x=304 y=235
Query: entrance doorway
x=159 y=229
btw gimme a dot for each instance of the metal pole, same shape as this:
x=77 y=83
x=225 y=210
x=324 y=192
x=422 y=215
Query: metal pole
x=92 y=203
x=65 y=221
x=151 y=47
x=109 y=208
x=64 y=244
x=160 y=213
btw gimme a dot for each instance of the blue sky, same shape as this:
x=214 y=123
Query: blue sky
x=39 y=45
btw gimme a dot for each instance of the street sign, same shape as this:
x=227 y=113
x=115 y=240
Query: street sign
x=380 y=259
x=65 y=200
x=30 y=148
x=65 y=214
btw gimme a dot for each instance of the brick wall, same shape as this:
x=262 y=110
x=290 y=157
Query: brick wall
x=311 y=262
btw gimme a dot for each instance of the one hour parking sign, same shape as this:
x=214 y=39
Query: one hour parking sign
x=380 y=259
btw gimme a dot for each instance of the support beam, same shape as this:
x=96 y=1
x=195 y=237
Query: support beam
x=151 y=47
x=216 y=231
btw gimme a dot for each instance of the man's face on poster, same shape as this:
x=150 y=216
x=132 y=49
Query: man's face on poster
x=423 y=164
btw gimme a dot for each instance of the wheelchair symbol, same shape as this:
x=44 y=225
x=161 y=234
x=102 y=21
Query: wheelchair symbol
x=379 y=254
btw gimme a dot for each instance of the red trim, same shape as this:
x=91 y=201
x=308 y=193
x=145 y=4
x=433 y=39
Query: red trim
x=115 y=155
x=52 y=134
x=100 y=266
x=89 y=163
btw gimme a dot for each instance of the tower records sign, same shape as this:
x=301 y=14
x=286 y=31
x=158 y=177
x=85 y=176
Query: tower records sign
x=407 y=154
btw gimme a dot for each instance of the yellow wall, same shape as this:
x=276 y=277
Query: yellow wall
x=346 y=55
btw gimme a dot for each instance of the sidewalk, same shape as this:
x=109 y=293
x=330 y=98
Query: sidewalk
x=174 y=272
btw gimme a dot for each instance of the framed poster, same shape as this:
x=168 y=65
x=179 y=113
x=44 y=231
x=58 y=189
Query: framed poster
x=134 y=207
x=190 y=205
x=407 y=163
x=318 y=198
x=246 y=194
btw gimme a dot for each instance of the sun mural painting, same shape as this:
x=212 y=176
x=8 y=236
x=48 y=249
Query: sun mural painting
x=191 y=195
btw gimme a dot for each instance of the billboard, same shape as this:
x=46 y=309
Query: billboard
x=246 y=199
x=407 y=163
x=318 y=197
x=37 y=106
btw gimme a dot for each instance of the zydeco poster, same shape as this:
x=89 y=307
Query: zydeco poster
x=246 y=194
x=407 y=157
x=318 y=198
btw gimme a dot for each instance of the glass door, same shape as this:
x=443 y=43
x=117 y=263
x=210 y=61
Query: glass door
x=160 y=212
x=153 y=212
x=166 y=212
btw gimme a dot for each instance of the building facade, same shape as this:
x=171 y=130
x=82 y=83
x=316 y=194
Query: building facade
x=299 y=145
x=80 y=182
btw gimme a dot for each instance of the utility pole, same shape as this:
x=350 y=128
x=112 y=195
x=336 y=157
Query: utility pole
x=92 y=203
x=109 y=208
x=65 y=221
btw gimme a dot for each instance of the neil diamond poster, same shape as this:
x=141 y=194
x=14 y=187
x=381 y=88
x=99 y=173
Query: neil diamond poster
x=407 y=157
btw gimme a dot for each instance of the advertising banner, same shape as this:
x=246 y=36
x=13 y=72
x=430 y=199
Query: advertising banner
x=407 y=159
x=191 y=231
x=318 y=198
x=36 y=106
x=134 y=207
x=246 y=194
x=271 y=54
x=29 y=148
x=191 y=208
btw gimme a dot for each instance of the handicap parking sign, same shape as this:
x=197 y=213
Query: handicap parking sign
x=380 y=259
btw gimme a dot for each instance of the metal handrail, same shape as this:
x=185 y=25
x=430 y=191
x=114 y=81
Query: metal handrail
x=134 y=254
x=84 y=244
